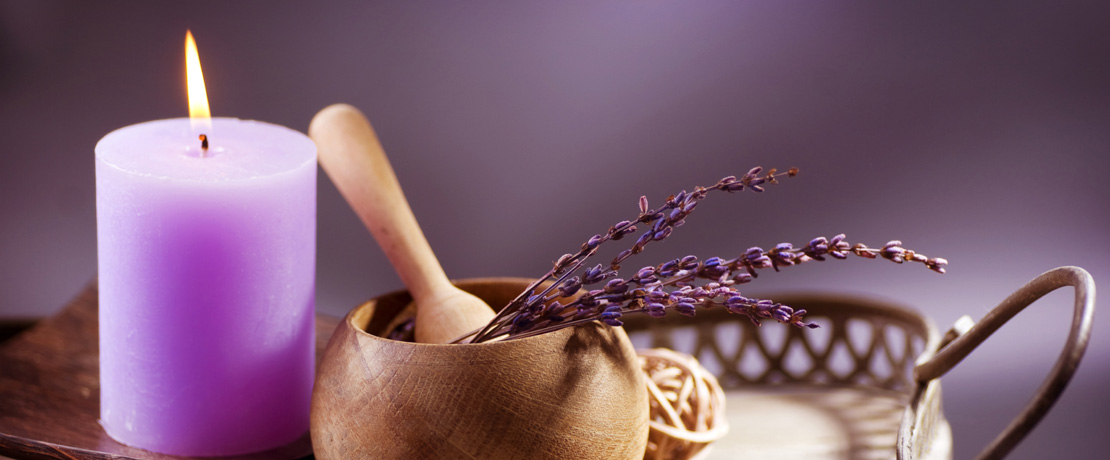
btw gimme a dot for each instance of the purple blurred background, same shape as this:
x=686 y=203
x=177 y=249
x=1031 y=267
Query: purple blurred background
x=972 y=132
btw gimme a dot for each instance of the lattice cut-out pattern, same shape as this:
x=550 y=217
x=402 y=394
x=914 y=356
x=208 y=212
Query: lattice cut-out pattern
x=859 y=343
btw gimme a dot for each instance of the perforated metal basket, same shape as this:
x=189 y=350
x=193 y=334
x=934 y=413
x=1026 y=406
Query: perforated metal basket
x=863 y=386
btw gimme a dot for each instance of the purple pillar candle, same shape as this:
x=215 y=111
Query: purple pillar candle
x=207 y=276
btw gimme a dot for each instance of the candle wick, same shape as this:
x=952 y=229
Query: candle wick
x=203 y=144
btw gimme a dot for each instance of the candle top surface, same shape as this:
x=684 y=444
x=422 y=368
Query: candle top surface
x=238 y=150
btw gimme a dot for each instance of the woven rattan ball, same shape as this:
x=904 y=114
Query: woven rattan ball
x=687 y=405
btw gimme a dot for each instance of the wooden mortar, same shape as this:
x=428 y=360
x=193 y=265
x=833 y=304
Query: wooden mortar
x=574 y=393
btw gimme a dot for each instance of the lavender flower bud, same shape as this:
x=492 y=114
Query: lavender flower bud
x=621 y=229
x=756 y=258
x=663 y=234
x=645 y=275
x=681 y=297
x=657 y=295
x=658 y=226
x=782 y=255
x=619 y=226
x=688 y=262
x=656 y=310
x=676 y=213
x=779 y=315
x=737 y=300
x=714 y=267
x=839 y=248
x=570 y=286
x=686 y=309
x=643 y=205
x=678 y=198
x=819 y=245
x=564 y=260
x=765 y=307
x=592 y=243
x=737 y=303
x=893 y=251
x=611 y=316
x=668 y=268
x=553 y=309
x=592 y=275
x=936 y=264
x=625 y=232
x=817 y=248
x=616 y=286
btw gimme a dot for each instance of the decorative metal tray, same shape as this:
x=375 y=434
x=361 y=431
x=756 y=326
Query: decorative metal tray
x=866 y=385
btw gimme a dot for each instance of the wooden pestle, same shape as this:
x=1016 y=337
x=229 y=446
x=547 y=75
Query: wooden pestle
x=351 y=155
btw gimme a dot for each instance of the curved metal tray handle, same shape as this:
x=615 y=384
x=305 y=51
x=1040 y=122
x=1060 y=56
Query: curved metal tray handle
x=967 y=338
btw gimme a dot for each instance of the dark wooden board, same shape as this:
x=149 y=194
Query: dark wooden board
x=50 y=391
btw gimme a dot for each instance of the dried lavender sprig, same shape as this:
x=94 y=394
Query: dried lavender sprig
x=654 y=300
x=755 y=309
x=663 y=219
x=663 y=223
x=645 y=292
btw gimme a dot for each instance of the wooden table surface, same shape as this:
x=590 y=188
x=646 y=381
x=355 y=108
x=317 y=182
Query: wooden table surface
x=50 y=391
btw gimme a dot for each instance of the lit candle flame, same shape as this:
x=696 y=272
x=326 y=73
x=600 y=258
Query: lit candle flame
x=199 y=115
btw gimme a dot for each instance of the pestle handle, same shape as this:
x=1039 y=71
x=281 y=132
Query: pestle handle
x=353 y=158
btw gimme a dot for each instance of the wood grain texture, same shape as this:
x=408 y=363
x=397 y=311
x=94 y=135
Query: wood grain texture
x=574 y=393
x=50 y=391
x=353 y=158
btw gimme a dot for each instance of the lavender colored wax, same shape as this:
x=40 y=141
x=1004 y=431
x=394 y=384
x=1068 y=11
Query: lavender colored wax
x=207 y=277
